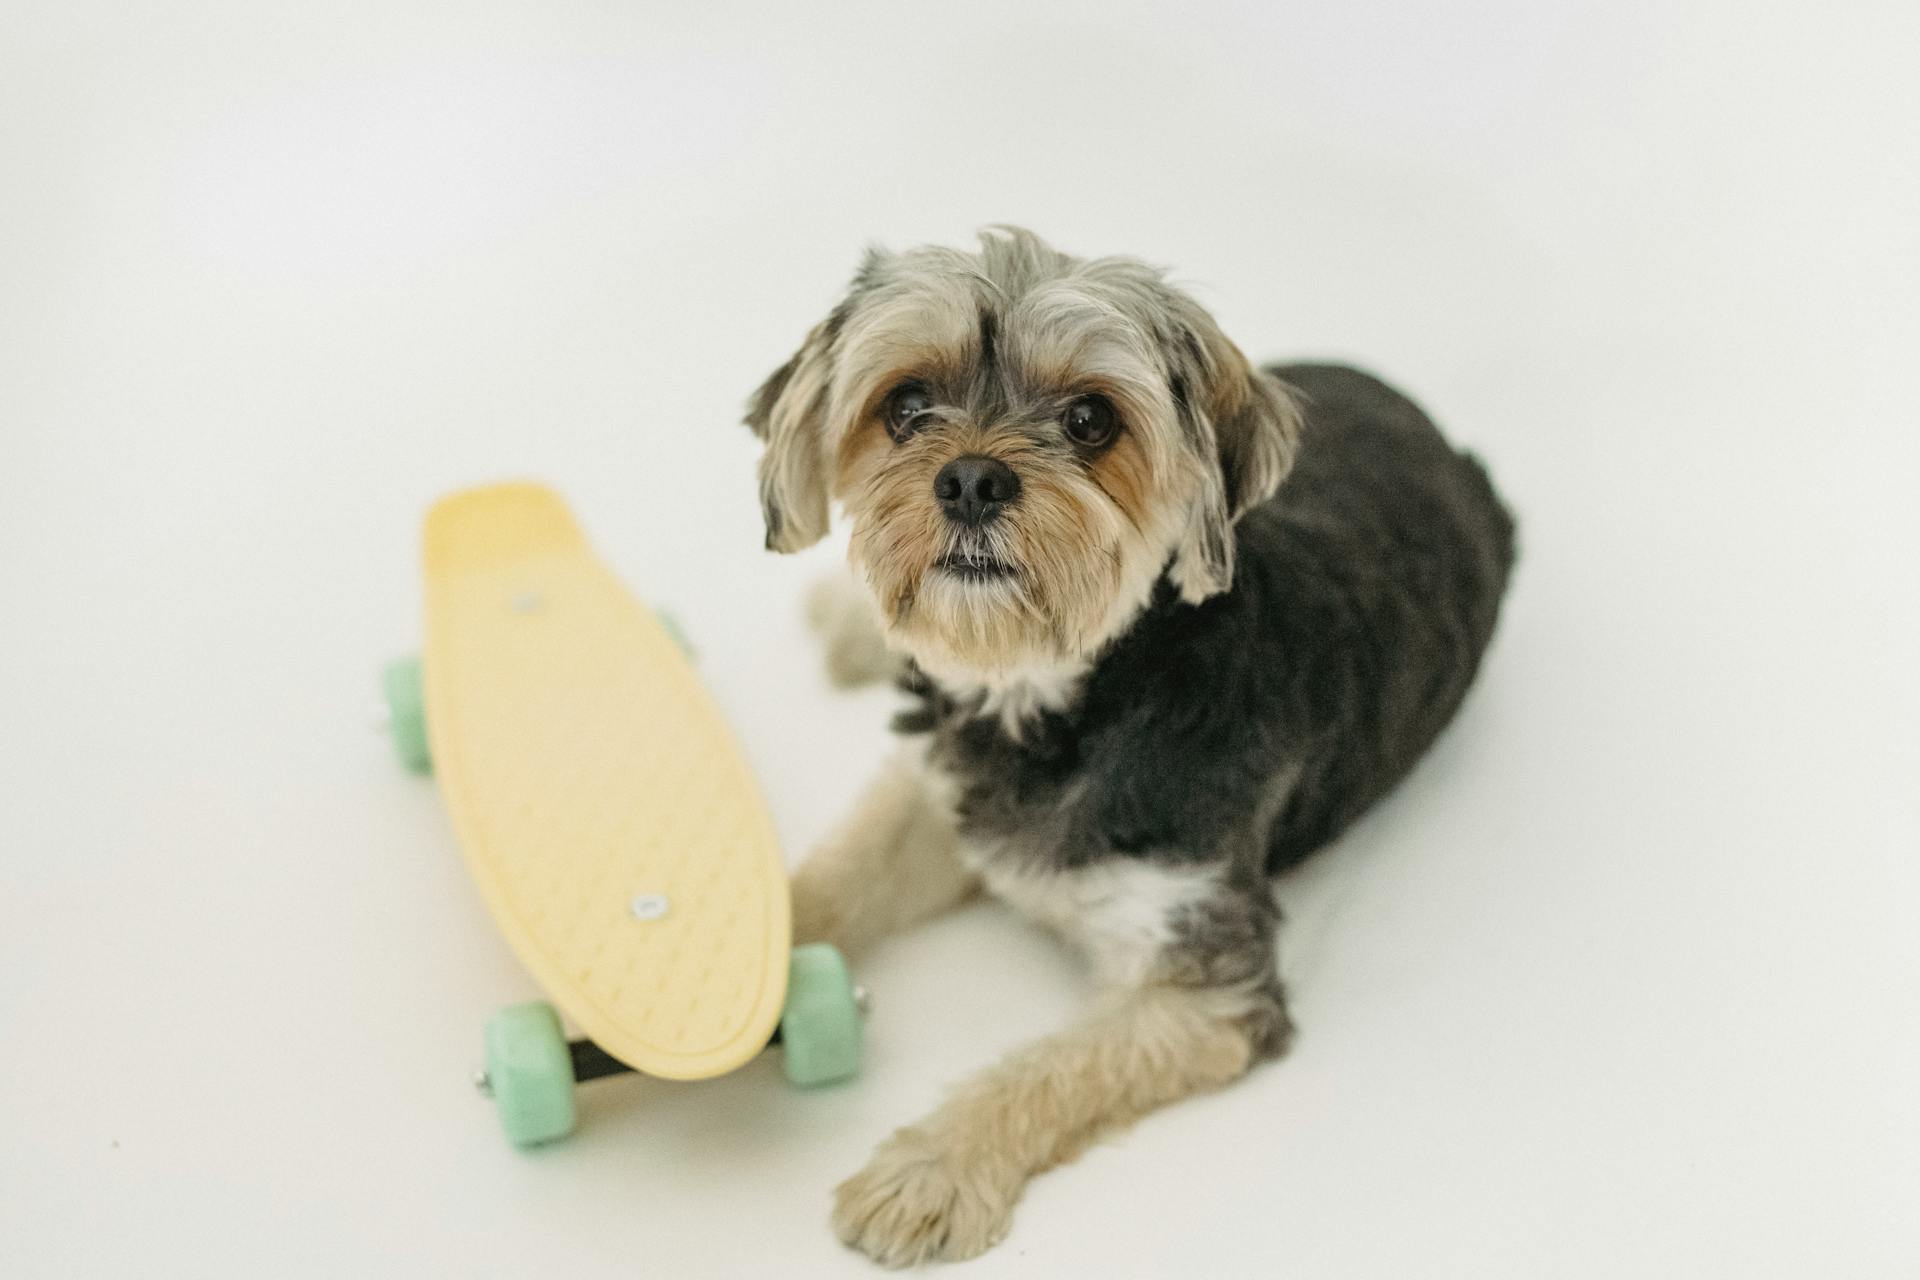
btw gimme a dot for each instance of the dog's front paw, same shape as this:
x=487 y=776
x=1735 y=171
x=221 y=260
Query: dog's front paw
x=922 y=1200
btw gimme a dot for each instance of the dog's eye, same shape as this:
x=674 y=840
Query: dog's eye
x=1090 y=421
x=907 y=406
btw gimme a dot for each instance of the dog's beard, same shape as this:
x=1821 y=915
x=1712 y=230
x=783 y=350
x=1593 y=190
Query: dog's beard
x=1048 y=580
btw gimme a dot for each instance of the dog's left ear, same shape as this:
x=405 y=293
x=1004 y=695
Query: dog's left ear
x=1243 y=426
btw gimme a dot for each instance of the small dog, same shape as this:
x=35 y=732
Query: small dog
x=1168 y=624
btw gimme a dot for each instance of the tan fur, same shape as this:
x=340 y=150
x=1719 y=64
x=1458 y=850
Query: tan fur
x=890 y=865
x=945 y=1189
x=1071 y=547
x=1125 y=475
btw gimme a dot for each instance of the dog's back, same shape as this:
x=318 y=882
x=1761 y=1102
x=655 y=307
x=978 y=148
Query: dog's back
x=1377 y=571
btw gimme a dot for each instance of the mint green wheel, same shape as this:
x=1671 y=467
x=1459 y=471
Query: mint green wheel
x=530 y=1073
x=821 y=1032
x=406 y=695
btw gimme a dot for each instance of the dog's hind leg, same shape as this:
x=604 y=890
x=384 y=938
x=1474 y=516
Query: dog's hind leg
x=842 y=615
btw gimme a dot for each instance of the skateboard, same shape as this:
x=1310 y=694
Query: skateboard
x=609 y=821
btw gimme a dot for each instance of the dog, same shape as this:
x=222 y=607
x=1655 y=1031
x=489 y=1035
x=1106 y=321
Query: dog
x=1166 y=624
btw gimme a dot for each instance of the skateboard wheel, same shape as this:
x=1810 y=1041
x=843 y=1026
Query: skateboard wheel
x=530 y=1073
x=821 y=1033
x=406 y=695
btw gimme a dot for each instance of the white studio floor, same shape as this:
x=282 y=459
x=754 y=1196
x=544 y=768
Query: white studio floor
x=1625 y=982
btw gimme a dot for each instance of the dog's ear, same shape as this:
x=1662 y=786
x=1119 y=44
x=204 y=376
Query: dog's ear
x=1242 y=425
x=790 y=412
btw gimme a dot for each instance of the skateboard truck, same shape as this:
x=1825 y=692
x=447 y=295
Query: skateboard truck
x=590 y=1062
x=532 y=1067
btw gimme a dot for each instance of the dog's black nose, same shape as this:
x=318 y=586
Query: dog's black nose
x=973 y=489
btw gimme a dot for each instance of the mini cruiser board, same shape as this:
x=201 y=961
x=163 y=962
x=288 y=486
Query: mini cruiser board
x=609 y=820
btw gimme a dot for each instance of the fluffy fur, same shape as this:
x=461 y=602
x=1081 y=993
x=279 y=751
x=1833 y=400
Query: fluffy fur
x=1217 y=638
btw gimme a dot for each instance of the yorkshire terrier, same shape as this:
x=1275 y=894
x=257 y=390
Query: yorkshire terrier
x=1167 y=624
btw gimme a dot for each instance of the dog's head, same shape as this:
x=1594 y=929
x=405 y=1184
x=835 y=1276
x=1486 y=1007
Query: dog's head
x=1024 y=442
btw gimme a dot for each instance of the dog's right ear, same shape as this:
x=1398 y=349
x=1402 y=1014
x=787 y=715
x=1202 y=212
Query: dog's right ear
x=788 y=412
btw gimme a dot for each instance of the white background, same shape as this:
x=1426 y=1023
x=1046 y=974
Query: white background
x=1622 y=983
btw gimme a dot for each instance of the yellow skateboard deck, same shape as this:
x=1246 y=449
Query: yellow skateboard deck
x=605 y=810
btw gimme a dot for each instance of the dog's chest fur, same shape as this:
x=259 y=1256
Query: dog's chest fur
x=1114 y=762
x=1040 y=787
x=1123 y=913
